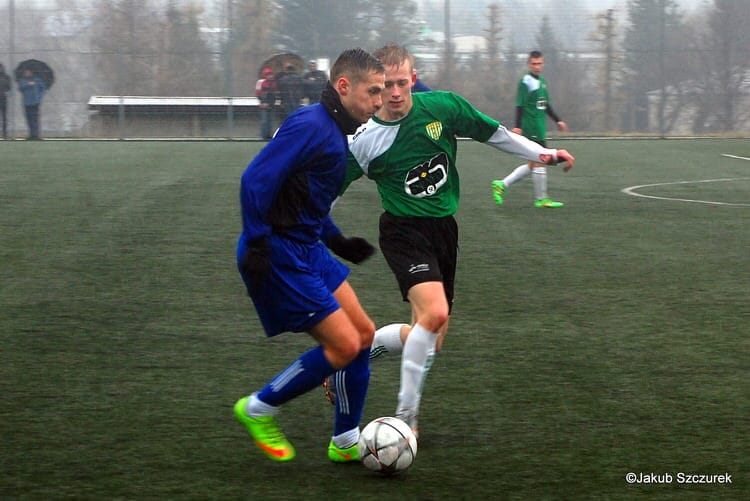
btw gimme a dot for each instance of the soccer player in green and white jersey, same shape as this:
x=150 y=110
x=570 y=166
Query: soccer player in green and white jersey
x=532 y=108
x=409 y=149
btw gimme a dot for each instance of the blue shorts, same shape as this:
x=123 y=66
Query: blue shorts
x=297 y=294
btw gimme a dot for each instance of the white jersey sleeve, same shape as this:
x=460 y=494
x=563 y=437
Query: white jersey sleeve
x=509 y=142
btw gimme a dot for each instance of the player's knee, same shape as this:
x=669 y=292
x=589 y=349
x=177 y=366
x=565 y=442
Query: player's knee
x=343 y=353
x=435 y=317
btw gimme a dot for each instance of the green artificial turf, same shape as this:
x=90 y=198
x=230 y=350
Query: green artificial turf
x=607 y=337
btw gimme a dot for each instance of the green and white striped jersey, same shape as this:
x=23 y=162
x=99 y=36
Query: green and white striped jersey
x=413 y=160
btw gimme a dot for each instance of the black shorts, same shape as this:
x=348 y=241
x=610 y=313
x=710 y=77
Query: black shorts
x=420 y=249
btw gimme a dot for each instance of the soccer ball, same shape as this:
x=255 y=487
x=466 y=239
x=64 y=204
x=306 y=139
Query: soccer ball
x=387 y=445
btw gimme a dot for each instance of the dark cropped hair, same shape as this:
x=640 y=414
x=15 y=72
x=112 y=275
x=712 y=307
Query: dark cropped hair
x=535 y=54
x=355 y=64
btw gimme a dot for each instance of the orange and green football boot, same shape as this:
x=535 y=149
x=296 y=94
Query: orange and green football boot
x=265 y=433
x=339 y=455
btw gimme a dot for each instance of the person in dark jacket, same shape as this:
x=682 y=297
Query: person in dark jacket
x=290 y=89
x=4 y=89
x=296 y=285
x=314 y=81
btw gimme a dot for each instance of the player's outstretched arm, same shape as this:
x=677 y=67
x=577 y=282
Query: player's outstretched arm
x=510 y=142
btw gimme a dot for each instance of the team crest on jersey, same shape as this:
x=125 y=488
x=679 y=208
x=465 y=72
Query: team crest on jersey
x=434 y=130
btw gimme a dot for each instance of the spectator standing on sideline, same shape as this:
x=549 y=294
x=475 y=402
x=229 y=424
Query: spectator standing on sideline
x=266 y=91
x=409 y=148
x=314 y=82
x=296 y=285
x=532 y=108
x=290 y=89
x=4 y=89
x=32 y=89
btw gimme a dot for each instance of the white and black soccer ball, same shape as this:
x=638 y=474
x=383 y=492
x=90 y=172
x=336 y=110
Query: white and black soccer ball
x=387 y=445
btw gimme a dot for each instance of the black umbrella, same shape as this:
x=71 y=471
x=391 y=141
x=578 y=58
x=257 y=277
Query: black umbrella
x=279 y=62
x=38 y=69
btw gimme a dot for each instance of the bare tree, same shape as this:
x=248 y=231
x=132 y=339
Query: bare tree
x=605 y=37
x=394 y=21
x=187 y=67
x=492 y=33
x=727 y=59
x=653 y=61
x=252 y=24
x=125 y=39
x=324 y=28
x=141 y=51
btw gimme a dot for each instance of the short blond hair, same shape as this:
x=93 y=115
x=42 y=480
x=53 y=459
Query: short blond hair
x=394 y=55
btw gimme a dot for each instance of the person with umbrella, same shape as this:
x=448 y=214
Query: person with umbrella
x=32 y=87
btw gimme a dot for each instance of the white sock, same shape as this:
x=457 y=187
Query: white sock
x=518 y=173
x=539 y=175
x=387 y=340
x=416 y=360
x=256 y=407
x=346 y=439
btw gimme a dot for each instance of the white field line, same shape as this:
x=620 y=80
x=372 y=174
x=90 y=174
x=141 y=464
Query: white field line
x=632 y=191
x=734 y=156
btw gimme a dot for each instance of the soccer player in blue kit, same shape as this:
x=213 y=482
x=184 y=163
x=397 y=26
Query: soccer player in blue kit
x=283 y=256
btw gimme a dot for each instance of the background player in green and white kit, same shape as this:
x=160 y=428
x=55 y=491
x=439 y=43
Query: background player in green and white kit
x=409 y=149
x=532 y=108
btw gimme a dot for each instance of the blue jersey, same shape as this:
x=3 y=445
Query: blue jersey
x=286 y=195
x=290 y=185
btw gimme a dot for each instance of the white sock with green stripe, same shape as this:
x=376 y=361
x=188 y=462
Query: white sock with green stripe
x=387 y=339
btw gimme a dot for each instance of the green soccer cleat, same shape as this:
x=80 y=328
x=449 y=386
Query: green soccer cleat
x=498 y=191
x=266 y=433
x=548 y=203
x=339 y=455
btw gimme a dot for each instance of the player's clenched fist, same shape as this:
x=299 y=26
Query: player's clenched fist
x=565 y=156
x=562 y=156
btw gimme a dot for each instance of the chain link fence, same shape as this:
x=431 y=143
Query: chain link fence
x=172 y=68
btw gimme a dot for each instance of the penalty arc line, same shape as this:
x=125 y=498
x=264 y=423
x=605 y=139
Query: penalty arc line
x=631 y=191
